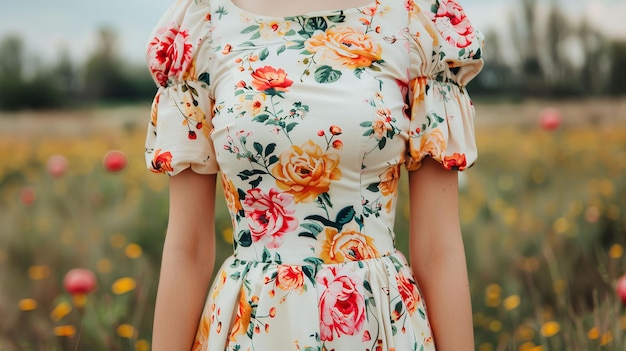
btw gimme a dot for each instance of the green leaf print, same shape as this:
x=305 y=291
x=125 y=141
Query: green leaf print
x=345 y=215
x=266 y=255
x=462 y=52
x=381 y=143
x=367 y=286
x=358 y=72
x=398 y=308
x=246 y=174
x=435 y=7
x=339 y=18
x=290 y=126
x=324 y=221
x=313 y=228
x=478 y=55
x=264 y=54
x=255 y=183
x=273 y=159
x=309 y=272
x=261 y=118
x=245 y=238
x=316 y=23
x=326 y=74
x=315 y=261
x=373 y=187
x=281 y=49
x=298 y=45
x=250 y=29
x=221 y=11
x=258 y=147
x=256 y=35
x=269 y=149
x=204 y=78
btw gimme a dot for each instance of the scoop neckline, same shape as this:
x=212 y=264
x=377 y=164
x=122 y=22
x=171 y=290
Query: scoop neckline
x=309 y=14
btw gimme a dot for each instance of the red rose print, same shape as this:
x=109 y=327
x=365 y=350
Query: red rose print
x=453 y=24
x=270 y=80
x=456 y=162
x=169 y=53
x=341 y=303
x=162 y=162
x=270 y=215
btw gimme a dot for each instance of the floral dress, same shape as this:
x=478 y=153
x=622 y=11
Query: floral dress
x=308 y=120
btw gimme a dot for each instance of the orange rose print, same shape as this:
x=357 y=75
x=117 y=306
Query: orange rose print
x=231 y=195
x=306 y=171
x=419 y=90
x=348 y=245
x=380 y=128
x=431 y=144
x=161 y=162
x=219 y=284
x=290 y=278
x=242 y=320
x=389 y=180
x=154 y=111
x=202 y=334
x=409 y=293
x=345 y=47
x=456 y=162
x=270 y=80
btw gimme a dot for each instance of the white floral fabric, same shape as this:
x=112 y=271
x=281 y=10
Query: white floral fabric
x=308 y=119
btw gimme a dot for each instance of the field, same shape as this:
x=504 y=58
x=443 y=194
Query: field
x=543 y=216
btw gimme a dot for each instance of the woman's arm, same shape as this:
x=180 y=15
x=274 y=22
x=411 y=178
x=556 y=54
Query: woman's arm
x=187 y=264
x=438 y=257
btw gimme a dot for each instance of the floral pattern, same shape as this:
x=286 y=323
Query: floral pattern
x=309 y=119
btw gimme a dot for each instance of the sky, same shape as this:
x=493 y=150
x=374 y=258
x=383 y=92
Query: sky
x=48 y=26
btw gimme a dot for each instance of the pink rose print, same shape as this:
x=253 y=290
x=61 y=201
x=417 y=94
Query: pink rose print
x=169 y=53
x=270 y=215
x=341 y=303
x=453 y=24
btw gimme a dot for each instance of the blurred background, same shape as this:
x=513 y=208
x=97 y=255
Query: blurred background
x=543 y=210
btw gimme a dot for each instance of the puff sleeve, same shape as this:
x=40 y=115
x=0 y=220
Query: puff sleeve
x=178 y=56
x=445 y=54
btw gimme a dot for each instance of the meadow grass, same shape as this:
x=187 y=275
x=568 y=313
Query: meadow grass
x=542 y=215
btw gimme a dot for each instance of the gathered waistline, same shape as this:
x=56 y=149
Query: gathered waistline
x=310 y=261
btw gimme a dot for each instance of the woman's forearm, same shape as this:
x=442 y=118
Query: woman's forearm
x=444 y=284
x=183 y=284
x=188 y=260
x=438 y=257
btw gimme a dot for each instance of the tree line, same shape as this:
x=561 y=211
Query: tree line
x=543 y=54
x=104 y=77
x=546 y=54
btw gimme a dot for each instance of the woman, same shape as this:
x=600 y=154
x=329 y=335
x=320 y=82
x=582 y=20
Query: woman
x=308 y=114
